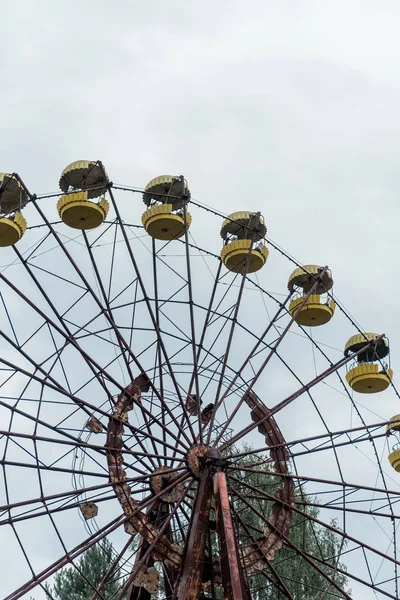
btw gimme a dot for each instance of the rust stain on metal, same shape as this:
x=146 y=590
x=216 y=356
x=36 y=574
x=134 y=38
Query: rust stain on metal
x=206 y=414
x=139 y=588
x=94 y=425
x=231 y=569
x=89 y=510
x=195 y=459
x=147 y=578
x=160 y=480
x=192 y=565
x=139 y=522
x=253 y=556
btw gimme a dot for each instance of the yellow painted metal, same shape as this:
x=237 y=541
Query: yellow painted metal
x=367 y=379
x=162 y=224
x=394 y=459
x=360 y=339
x=302 y=277
x=234 y=222
x=313 y=313
x=80 y=213
x=235 y=253
x=12 y=194
x=12 y=229
x=394 y=424
x=83 y=175
x=166 y=188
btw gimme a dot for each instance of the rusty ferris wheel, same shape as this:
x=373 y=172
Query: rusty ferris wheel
x=145 y=381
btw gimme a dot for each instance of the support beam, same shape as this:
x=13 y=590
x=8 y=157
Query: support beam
x=231 y=569
x=289 y=399
x=192 y=569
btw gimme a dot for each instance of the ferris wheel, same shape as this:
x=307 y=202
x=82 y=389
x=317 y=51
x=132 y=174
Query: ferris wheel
x=175 y=382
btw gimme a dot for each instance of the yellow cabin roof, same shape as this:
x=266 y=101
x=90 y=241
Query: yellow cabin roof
x=393 y=424
x=363 y=338
x=83 y=175
x=12 y=194
x=166 y=188
x=303 y=277
x=236 y=220
x=357 y=341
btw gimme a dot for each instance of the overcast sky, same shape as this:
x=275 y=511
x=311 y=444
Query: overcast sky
x=291 y=106
x=288 y=107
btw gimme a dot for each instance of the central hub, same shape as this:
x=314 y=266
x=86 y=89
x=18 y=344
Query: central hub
x=196 y=458
x=201 y=455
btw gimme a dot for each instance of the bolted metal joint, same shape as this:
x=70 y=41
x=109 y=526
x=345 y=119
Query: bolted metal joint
x=215 y=461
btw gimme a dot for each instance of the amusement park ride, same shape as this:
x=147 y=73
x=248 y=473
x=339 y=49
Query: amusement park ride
x=128 y=347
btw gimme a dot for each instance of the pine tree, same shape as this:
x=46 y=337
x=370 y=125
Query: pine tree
x=300 y=577
x=77 y=583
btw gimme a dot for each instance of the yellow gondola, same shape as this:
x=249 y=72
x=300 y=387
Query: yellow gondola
x=369 y=373
x=12 y=228
x=167 y=197
x=316 y=311
x=243 y=233
x=393 y=428
x=12 y=197
x=81 y=181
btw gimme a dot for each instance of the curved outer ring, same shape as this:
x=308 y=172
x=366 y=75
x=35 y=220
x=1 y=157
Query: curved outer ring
x=164 y=549
x=252 y=556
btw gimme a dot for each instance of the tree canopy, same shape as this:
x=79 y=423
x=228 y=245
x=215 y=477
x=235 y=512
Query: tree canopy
x=288 y=568
x=80 y=582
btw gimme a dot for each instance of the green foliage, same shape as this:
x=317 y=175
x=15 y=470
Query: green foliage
x=70 y=584
x=299 y=576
